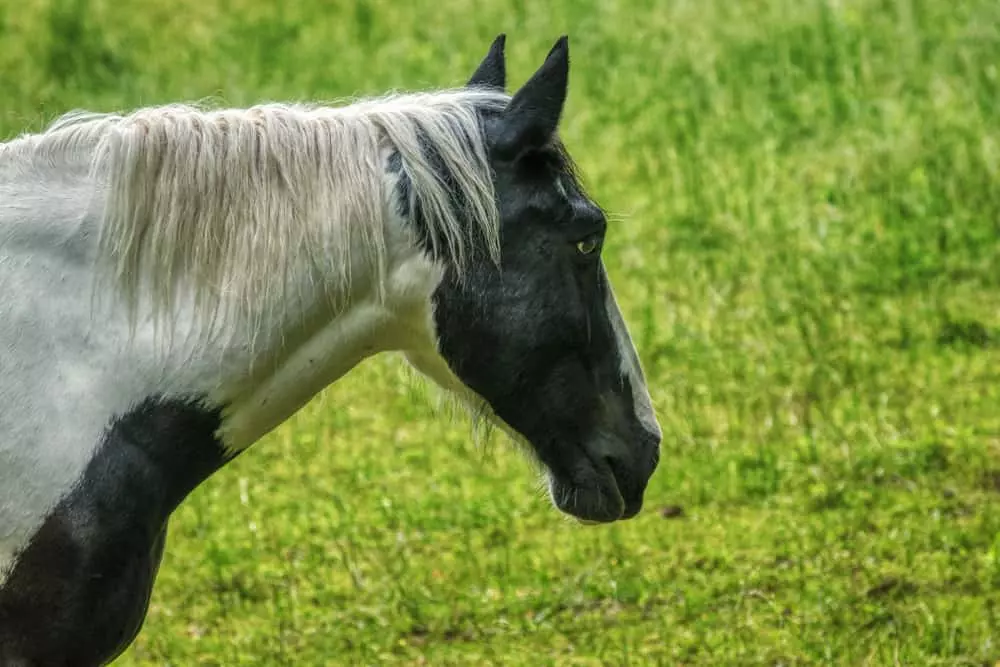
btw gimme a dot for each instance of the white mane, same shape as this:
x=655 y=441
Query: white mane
x=223 y=205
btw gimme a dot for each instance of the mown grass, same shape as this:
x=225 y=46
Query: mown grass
x=809 y=260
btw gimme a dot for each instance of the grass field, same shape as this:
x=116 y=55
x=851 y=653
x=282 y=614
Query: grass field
x=809 y=260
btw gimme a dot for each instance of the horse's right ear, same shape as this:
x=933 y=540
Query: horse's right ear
x=492 y=72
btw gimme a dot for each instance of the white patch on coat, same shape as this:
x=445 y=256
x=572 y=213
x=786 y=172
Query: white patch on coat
x=631 y=368
x=71 y=363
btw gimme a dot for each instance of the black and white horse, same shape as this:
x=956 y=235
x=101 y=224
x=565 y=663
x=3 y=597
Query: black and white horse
x=176 y=282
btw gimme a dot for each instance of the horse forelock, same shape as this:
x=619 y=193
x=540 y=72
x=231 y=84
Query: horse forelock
x=228 y=208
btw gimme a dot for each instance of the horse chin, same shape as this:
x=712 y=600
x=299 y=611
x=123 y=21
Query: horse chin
x=596 y=501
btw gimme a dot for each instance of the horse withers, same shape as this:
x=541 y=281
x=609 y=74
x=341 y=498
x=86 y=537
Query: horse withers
x=177 y=281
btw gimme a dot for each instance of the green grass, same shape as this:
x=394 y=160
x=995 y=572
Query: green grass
x=809 y=260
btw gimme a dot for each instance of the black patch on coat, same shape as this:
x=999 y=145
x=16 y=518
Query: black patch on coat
x=79 y=592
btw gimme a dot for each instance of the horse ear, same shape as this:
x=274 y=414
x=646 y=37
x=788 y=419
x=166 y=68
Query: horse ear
x=531 y=118
x=492 y=72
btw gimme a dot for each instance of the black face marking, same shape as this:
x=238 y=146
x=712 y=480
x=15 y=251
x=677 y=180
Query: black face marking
x=79 y=592
x=535 y=338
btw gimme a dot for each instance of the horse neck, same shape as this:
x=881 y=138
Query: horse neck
x=318 y=340
x=257 y=369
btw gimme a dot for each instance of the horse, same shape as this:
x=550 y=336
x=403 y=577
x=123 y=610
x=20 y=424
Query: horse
x=179 y=280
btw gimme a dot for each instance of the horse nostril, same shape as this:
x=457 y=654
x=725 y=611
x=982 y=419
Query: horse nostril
x=615 y=465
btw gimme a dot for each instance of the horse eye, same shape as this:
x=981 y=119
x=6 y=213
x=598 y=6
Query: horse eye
x=588 y=245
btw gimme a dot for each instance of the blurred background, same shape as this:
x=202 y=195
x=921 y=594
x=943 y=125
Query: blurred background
x=806 y=244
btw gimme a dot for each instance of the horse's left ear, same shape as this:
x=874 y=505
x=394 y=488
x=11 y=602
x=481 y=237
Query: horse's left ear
x=492 y=72
x=531 y=118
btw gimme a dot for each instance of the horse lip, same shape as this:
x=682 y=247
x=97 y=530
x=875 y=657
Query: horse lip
x=632 y=505
x=601 y=497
